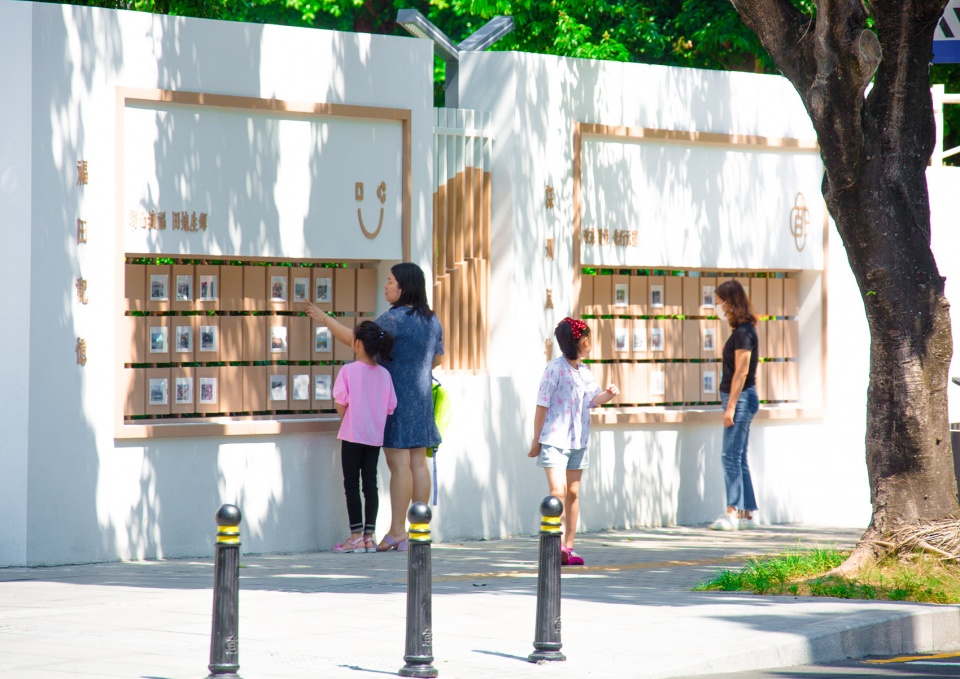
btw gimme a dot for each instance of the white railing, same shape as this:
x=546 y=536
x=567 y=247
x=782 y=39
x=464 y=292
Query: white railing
x=940 y=98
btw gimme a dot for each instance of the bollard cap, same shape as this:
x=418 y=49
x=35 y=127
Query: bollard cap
x=229 y=515
x=551 y=506
x=419 y=512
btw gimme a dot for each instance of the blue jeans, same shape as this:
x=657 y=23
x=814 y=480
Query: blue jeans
x=736 y=472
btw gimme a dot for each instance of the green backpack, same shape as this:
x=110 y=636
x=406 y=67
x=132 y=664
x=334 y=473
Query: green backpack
x=442 y=413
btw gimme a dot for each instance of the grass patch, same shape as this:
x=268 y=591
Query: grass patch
x=917 y=577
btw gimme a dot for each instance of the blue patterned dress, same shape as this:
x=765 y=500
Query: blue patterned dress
x=417 y=341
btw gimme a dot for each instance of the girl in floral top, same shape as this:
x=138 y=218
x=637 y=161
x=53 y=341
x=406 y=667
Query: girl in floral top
x=561 y=425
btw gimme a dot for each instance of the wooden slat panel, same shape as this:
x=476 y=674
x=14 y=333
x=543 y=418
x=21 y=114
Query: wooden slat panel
x=254 y=288
x=691 y=295
x=691 y=379
x=673 y=287
x=639 y=296
x=254 y=388
x=135 y=287
x=791 y=297
x=775 y=296
x=231 y=288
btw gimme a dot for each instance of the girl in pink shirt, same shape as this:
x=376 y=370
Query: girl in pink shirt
x=364 y=396
x=561 y=425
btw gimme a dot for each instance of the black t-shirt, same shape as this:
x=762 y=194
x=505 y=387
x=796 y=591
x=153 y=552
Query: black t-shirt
x=744 y=336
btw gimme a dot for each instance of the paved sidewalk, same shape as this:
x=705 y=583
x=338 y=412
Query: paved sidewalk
x=628 y=613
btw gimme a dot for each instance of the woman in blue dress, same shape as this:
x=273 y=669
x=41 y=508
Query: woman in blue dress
x=411 y=429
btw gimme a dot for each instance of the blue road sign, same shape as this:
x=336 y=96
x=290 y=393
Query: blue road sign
x=946 y=39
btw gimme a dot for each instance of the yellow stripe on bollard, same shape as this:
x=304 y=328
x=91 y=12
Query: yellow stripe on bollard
x=550 y=524
x=419 y=532
x=229 y=535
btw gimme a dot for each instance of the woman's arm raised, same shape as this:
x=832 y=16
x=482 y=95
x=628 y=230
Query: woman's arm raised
x=339 y=330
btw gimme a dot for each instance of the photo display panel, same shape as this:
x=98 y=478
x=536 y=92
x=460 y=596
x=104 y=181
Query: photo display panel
x=249 y=350
x=659 y=336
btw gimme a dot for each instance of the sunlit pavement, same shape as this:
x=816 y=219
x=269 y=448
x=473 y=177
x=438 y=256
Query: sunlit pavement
x=628 y=612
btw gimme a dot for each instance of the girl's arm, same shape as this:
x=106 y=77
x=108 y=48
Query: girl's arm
x=604 y=396
x=538 y=420
x=341 y=409
x=741 y=363
x=339 y=330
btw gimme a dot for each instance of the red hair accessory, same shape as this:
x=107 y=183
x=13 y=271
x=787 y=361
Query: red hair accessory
x=576 y=327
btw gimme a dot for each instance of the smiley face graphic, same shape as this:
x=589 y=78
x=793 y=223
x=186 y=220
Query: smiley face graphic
x=382 y=197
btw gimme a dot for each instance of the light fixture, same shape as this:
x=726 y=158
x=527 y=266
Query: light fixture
x=419 y=26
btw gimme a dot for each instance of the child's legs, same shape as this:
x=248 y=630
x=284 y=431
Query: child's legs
x=371 y=500
x=557 y=484
x=571 y=510
x=350 y=459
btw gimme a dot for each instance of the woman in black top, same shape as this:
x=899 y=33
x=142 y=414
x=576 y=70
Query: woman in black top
x=738 y=394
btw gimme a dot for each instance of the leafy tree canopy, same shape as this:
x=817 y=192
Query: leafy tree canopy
x=694 y=33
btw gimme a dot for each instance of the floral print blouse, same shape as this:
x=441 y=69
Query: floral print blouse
x=566 y=393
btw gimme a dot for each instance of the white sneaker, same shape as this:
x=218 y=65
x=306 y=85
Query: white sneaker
x=726 y=522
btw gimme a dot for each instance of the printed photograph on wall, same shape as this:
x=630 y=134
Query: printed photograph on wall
x=184 y=288
x=301 y=287
x=656 y=296
x=208 y=390
x=278 y=387
x=639 y=339
x=708 y=300
x=709 y=381
x=158 y=340
x=278 y=339
x=278 y=288
x=184 y=391
x=208 y=337
x=208 y=288
x=621 y=294
x=709 y=339
x=620 y=340
x=158 y=391
x=301 y=388
x=322 y=341
x=657 y=383
x=656 y=339
x=324 y=291
x=183 y=338
x=158 y=287
x=321 y=387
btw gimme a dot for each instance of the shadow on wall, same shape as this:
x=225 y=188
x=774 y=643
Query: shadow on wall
x=158 y=499
x=63 y=464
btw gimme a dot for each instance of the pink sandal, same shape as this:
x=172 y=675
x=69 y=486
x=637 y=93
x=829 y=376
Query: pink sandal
x=350 y=546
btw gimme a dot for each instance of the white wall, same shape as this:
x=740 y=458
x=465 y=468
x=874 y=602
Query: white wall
x=71 y=493
x=809 y=470
x=16 y=171
x=89 y=497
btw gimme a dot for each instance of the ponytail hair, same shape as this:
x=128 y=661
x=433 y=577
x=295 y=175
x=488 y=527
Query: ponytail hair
x=374 y=340
x=413 y=288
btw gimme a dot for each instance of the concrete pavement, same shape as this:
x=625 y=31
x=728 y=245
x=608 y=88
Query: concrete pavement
x=628 y=613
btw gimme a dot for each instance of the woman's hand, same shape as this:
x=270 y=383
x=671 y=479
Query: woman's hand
x=316 y=313
x=728 y=418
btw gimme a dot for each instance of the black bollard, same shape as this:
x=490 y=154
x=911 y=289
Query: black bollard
x=224 y=642
x=419 y=647
x=547 y=640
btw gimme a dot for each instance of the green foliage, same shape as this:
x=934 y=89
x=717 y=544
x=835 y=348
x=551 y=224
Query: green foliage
x=799 y=573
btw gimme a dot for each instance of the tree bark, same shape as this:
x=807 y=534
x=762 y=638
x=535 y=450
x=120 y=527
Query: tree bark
x=875 y=150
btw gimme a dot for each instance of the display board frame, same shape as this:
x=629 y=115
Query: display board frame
x=230 y=378
x=584 y=291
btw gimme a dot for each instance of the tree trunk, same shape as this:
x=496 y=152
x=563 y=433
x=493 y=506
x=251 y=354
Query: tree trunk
x=875 y=150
